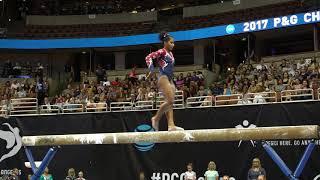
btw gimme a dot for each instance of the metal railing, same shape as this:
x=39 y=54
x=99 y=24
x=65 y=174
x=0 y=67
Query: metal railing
x=200 y=101
x=29 y=106
x=72 y=108
x=145 y=105
x=178 y=100
x=262 y=97
x=121 y=106
x=96 y=107
x=23 y=105
x=297 y=95
x=225 y=100
x=50 y=109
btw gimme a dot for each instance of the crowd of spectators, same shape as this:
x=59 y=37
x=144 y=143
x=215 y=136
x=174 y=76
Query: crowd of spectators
x=129 y=89
x=269 y=77
x=243 y=79
x=24 y=70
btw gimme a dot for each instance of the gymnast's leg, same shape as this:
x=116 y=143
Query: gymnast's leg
x=167 y=107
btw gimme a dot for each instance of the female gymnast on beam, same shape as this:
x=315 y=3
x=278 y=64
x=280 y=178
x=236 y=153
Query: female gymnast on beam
x=165 y=61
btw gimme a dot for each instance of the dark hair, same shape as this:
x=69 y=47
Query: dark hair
x=164 y=36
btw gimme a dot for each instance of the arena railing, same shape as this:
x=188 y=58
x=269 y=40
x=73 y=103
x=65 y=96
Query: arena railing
x=178 y=100
x=225 y=100
x=50 y=109
x=96 y=107
x=23 y=105
x=72 y=108
x=29 y=106
x=121 y=106
x=262 y=97
x=145 y=105
x=297 y=95
x=199 y=102
x=3 y=110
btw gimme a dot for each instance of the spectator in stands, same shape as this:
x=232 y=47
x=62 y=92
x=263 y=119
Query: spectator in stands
x=211 y=173
x=80 y=176
x=188 y=79
x=180 y=81
x=190 y=174
x=21 y=93
x=256 y=170
x=280 y=86
x=15 y=85
x=69 y=90
x=261 y=177
x=286 y=80
x=270 y=82
x=46 y=175
x=41 y=91
x=71 y=174
x=39 y=72
x=259 y=98
x=100 y=73
x=133 y=75
x=228 y=90
x=216 y=89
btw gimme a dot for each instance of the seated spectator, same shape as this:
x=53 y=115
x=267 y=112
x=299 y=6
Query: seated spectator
x=46 y=175
x=228 y=90
x=258 y=98
x=80 y=176
x=286 y=80
x=71 y=174
x=116 y=82
x=201 y=91
x=100 y=73
x=21 y=93
x=180 y=81
x=216 y=89
x=252 y=87
x=280 y=86
x=133 y=75
x=15 y=85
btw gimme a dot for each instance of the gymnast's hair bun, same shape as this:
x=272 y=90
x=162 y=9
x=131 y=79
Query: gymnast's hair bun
x=164 y=36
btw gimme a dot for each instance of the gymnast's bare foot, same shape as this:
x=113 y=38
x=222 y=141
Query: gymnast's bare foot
x=175 y=128
x=155 y=123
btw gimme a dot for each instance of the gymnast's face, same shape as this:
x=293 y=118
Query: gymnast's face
x=169 y=45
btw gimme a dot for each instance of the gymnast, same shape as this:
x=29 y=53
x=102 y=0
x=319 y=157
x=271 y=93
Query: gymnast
x=165 y=60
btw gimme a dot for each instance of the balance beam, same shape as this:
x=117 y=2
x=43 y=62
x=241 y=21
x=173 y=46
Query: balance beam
x=206 y=135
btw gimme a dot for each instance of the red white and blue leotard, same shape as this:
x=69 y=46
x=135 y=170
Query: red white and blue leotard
x=165 y=62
